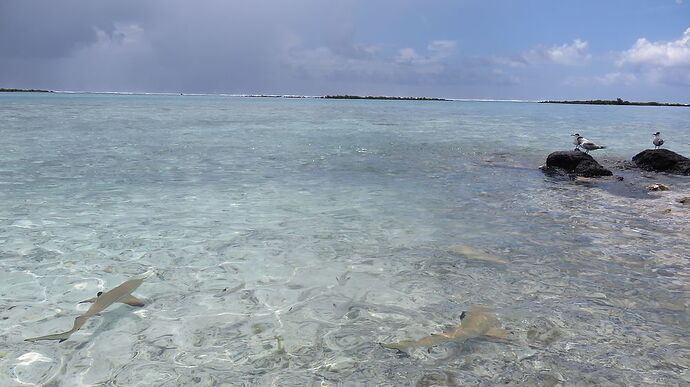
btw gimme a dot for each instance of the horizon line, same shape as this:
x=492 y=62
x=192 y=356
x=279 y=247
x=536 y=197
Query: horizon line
x=275 y=95
x=297 y=96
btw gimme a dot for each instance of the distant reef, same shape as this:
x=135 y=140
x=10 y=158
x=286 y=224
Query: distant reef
x=617 y=101
x=3 y=90
x=383 y=97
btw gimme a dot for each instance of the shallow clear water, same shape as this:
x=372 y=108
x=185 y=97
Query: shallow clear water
x=291 y=236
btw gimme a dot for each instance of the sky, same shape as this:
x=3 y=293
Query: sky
x=638 y=50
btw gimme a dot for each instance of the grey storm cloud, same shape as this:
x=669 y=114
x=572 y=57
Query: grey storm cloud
x=218 y=46
x=262 y=46
x=160 y=45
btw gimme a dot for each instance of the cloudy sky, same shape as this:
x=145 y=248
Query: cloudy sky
x=502 y=49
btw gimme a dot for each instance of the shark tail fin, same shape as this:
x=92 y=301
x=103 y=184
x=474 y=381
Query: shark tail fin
x=58 y=336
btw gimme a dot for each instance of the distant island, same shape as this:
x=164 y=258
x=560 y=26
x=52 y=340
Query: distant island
x=3 y=90
x=383 y=97
x=378 y=97
x=617 y=101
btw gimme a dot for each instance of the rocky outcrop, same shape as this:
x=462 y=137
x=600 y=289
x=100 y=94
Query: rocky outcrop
x=658 y=187
x=574 y=163
x=662 y=160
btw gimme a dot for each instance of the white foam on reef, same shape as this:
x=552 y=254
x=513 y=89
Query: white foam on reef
x=32 y=357
x=492 y=100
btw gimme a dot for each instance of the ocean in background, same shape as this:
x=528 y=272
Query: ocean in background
x=290 y=237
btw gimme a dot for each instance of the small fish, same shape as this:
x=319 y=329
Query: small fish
x=479 y=321
x=121 y=293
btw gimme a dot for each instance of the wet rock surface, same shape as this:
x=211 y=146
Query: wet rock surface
x=574 y=163
x=658 y=187
x=620 y=165
x=662 y=160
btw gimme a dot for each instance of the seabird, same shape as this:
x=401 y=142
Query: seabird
x=586 y=144
x=658 y=141
x=575 y=141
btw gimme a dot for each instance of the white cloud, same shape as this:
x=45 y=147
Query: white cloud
x=514 y=61
x=675 y=53
x=441 y=48
x=566 y=54
x=617 y=78
x=666 y=62
x=408 y=55
x=324 y=61
x=570 y=54
x=432 y=62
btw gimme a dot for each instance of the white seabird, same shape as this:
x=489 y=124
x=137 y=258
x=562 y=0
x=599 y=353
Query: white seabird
x=586 y=144
x=658 y=141
x=575 y=141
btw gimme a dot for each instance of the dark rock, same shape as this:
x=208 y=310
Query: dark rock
x=658 y=187
x=685 y=200
x=575 y=163
x=662 y=160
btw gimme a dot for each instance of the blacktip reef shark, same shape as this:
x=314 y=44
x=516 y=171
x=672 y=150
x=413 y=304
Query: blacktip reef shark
x=476 y=254
x=478 y=322
x=122 y=293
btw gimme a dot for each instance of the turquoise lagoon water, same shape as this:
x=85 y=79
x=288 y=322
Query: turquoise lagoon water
x=291 y=236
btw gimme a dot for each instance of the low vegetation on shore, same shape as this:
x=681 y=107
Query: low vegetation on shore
x=617 y=101
x=383 y=97
x=3 y=90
